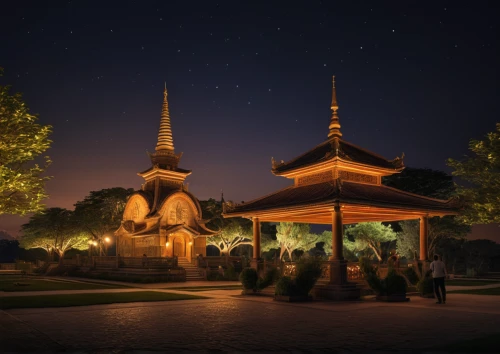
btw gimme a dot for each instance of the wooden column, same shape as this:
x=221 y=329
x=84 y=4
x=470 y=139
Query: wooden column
x=424 y=228
x=337 y=234
x=256 y=242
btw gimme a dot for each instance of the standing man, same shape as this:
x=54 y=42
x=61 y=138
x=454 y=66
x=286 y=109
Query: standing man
x=438 y=274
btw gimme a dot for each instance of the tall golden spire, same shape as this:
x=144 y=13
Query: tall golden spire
x=334 y=121
x=165 y=140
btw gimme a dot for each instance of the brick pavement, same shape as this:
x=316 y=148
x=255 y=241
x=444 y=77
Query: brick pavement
x=231 y=323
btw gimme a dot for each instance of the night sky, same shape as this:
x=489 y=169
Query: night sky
x=247 y=81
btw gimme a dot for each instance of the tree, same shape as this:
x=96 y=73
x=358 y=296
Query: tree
x=54 y=231
x=348 y=250
x=234 y=233
x=212 y=213
x=479 y=254
x=439 y=229
x=422 y=181
x=100 y=213
x=290 y=237
x=370 y=235
x=428 y=183
x=22 y=186
x=482 y=174
x=408 y=239
x=9 y=250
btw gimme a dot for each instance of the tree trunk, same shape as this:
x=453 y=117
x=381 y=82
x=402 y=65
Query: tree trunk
x=282 y=252
x=374 y=249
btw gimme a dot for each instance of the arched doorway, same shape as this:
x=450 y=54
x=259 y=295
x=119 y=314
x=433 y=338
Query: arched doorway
x=179 y=246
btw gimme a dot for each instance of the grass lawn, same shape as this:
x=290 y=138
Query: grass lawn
x=488 y=344
x=16 y=283
x=491 y=291
x=16 y=302
x=460 y=282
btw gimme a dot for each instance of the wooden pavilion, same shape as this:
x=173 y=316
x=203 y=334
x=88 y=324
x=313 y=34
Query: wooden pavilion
x=339 y=183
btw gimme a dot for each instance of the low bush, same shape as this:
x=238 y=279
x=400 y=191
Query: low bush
x=248 y=278
x=390 y=285
x=425 y=286
x=308 y=270
x=394 y=284
x=285 y=286
x=412 y=275
x=271 y=276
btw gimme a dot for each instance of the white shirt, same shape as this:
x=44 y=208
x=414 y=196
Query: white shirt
x=438 y=269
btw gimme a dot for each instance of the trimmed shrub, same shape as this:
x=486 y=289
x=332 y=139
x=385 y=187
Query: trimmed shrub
x=308 y=272
x=248 y=278
x=394 y=284
x=271 y=276
x=425 y=286
x=285 y=286
x=412 y=275
x=390 y=285
x=370 y=274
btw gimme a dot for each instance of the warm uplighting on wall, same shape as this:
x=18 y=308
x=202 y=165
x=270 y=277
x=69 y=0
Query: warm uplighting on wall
x=167 y=244
x=190 y=243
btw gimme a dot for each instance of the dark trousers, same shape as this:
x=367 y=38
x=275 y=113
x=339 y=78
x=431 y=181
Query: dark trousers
x=439 y=284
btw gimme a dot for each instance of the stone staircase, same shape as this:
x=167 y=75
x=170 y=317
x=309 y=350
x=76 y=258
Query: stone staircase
x=192 y=272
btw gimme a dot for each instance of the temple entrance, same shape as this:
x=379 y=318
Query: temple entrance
x=179 y=245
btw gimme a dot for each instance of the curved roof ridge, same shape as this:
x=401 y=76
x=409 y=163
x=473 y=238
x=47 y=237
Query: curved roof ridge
x=443 y=201
x=365 y=150
x=332 y=186
x=303 y=154
x=265 y=196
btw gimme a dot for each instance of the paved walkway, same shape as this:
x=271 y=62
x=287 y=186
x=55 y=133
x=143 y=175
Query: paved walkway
x=229 y=322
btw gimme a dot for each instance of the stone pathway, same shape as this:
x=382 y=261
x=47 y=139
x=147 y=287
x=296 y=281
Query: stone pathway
x=229 y=322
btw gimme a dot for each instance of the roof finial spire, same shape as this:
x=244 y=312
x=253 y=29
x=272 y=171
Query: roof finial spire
x=334 y=121
x=165 y=140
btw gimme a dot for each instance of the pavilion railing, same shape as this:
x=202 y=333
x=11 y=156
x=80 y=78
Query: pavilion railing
x=148 y=262
x=353 y=270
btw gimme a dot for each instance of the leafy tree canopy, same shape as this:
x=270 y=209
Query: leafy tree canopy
x=370 y=235
x=348 y=251
x=481 y=172
x=212 y=212
x=22 y=186
x=235 y=232
x=101 y=211
x=290 y=237
x=447 y=227
x=53 y=230
x=422 y=181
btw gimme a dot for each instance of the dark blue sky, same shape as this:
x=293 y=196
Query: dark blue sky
x=247 y=81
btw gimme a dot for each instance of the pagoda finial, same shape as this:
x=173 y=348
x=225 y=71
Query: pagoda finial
x=165 y=140
x=334 y=121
